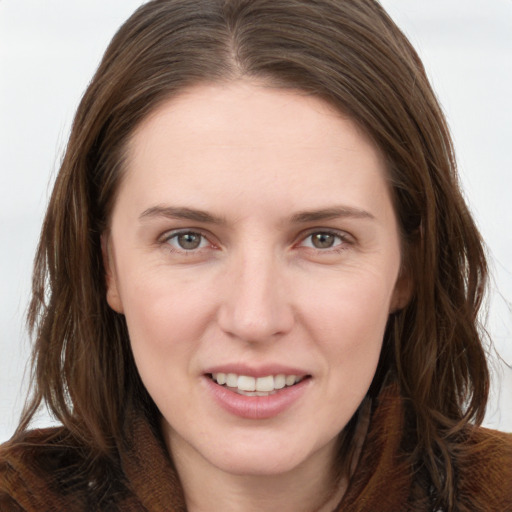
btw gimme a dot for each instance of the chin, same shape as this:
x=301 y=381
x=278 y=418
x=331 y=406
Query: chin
x=264 y=457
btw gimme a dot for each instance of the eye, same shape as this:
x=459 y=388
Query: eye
x=187 y=241
x=323 y=240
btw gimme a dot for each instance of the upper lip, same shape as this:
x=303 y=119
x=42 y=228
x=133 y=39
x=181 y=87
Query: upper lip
x=257 y=371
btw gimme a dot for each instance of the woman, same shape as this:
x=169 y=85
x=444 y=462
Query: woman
x=257 y=284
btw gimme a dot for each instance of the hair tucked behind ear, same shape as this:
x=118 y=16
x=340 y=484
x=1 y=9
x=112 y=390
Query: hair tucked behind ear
x=352 y=55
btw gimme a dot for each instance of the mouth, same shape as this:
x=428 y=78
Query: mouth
x=256 y=386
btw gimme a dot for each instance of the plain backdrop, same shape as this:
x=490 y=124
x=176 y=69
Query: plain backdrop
x=49 y=51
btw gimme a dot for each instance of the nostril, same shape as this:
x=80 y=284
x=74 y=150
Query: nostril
x=255 y=313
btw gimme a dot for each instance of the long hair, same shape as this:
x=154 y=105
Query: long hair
x=352 y=55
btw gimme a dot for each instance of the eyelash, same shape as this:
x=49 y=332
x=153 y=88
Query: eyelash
x=174 y=236
x=343 y=238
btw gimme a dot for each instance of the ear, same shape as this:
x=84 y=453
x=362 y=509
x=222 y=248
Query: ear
x=113 y=297
x=403 y=291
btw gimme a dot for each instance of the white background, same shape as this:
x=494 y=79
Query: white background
x=49 y=51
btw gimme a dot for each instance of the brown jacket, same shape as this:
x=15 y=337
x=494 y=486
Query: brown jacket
x=40 y=474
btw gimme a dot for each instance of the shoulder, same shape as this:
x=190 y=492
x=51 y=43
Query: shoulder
x=36 y=467
x=484 y=470
x=46 y=469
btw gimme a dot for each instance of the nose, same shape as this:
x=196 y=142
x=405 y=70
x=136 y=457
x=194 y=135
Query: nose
x=256 y=305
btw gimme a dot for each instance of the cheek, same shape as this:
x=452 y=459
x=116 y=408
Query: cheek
x=166 y=324
x=166 y=316
x=351 y=303
x=348 y=320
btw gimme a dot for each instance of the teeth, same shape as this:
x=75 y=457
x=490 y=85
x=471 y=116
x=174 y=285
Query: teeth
x=232 y=380
x=279 y=381
x=247 y=383
x=290 y=380
x=260 y=386
x=264 y=383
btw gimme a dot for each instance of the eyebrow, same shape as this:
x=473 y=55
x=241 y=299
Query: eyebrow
x=172 y=212
x=182 y=213
x=330 y=214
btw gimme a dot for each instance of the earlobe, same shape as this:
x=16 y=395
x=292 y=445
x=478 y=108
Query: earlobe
x=113 y=297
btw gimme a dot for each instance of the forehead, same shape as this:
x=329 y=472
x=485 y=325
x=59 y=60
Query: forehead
x=260 y=112
x=243 y=137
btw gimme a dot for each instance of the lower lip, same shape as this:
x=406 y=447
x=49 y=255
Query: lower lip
x=256 y=407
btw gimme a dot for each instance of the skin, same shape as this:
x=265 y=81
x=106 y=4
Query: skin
x=257 y=290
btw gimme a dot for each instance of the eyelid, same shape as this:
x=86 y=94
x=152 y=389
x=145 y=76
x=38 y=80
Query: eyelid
x=345 y=238
x=173 y=233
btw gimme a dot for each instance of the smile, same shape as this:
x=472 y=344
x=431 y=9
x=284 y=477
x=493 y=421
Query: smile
x=255 y=386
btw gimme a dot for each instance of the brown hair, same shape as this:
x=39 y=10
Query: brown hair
x=349 y=53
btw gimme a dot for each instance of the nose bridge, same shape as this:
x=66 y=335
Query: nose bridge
x=256 y=306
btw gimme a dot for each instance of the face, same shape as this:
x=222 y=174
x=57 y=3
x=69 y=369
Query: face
x=255 y=254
